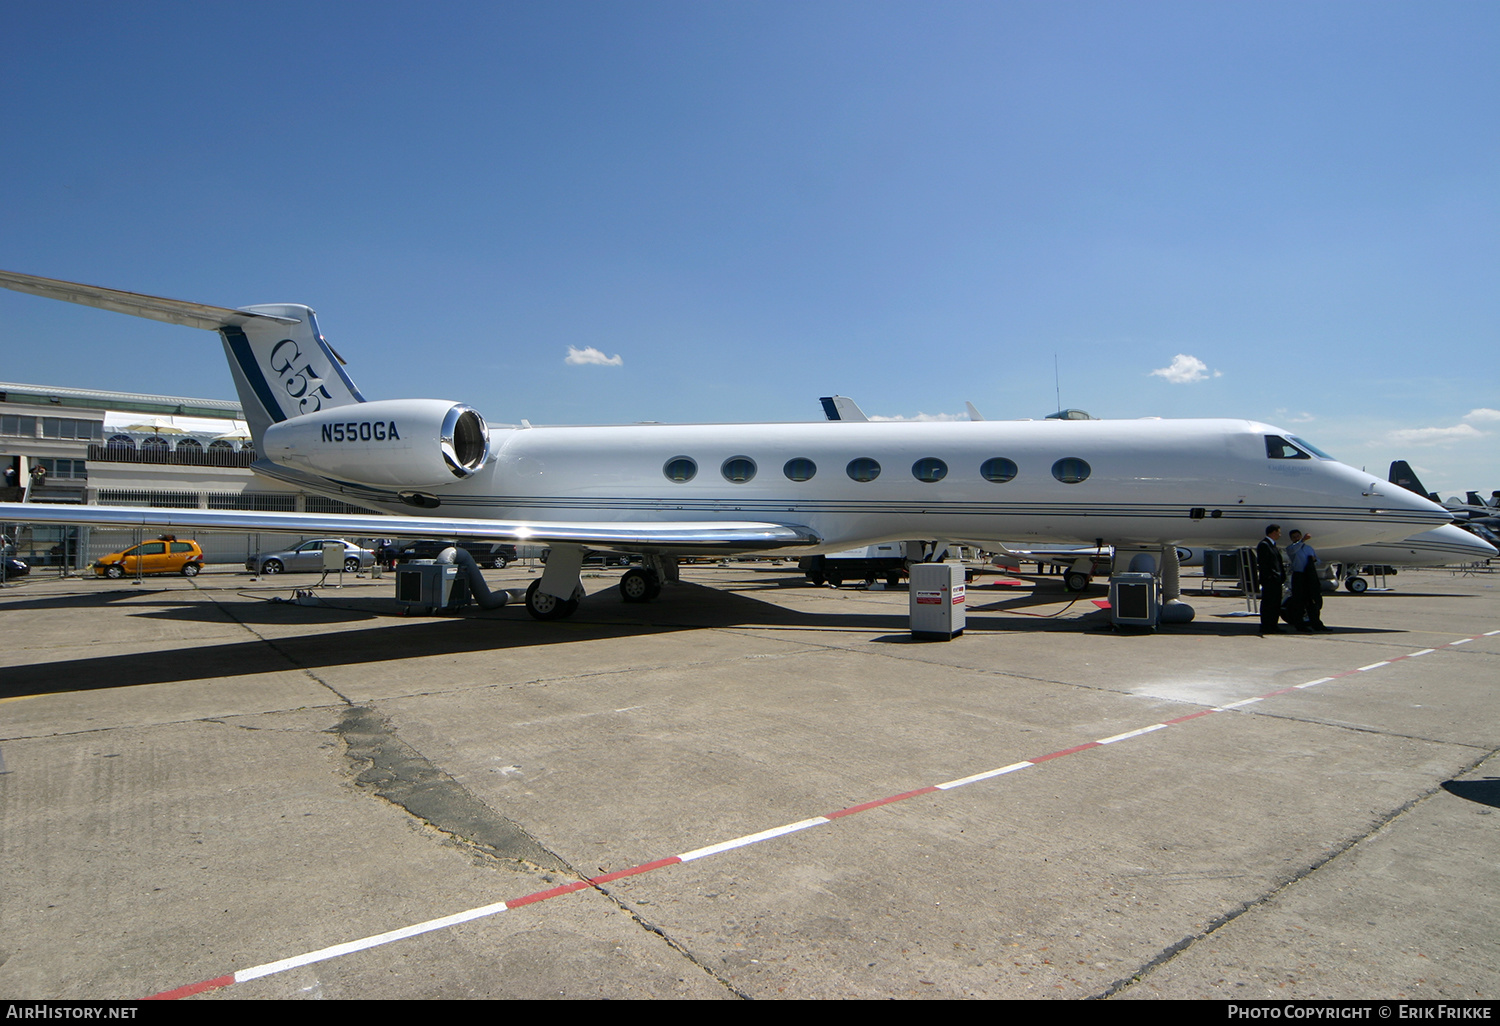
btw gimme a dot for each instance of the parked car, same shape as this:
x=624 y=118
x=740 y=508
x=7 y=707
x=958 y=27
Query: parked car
x=308 y=558
x=16 y=567
x=165 y=555
x=491 y=555
x=592 y=557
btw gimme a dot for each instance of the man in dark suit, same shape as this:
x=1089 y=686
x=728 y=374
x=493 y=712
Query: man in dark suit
x=1272 y=580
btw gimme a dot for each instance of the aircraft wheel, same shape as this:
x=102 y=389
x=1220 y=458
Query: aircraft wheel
x=817 y=579
x=271 y=566
x=114 y=571
x=190 y=569
x=892 y=580
x=834 y=580
x=548 y=607
x=639 y=585
x=1076 y=580
x=1357 y=585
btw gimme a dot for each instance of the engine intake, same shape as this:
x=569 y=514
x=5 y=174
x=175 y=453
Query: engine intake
x=402 y=442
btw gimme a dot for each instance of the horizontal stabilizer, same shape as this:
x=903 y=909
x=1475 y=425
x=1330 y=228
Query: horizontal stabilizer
x=677 y=537
x=173 y=311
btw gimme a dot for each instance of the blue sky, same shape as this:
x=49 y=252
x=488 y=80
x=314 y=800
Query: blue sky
x=755 y=204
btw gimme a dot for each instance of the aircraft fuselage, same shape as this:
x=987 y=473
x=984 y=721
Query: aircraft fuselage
x=1194 y=482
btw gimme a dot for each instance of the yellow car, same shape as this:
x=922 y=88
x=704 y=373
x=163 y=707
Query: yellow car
x=166 y=555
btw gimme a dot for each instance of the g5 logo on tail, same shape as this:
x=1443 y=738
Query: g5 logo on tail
x=301 y=383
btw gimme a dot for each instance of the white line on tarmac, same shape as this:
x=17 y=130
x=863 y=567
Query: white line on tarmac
x=338 y=950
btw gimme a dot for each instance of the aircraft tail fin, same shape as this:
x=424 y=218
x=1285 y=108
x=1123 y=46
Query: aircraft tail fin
x=282 y=365
x=841 y=407
x=1403 y=475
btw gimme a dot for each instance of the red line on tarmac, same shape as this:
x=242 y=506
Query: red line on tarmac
x=1189 y=716
x=851 y=810
x=647 y=867
x=193 y=988
x=1065 y=751
x=554 y=892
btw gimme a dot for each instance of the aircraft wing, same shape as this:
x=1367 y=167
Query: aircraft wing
x=173 y=311
x=681 y=537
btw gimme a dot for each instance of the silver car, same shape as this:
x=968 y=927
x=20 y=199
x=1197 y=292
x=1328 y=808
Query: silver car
x=308 y=558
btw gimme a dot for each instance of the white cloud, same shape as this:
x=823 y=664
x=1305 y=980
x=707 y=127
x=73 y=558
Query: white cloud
x=1185 y=369
x=923 y=417
x=1483 y=413
x=1436 y=435
x=589 y=354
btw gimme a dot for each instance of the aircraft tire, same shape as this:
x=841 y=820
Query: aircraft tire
x=892 y=580
x=547 y=607
x=834 y=580
x=1076 y=580
x=635 y=586
x=1357 y=585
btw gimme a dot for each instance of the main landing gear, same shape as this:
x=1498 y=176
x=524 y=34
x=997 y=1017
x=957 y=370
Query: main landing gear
x=640 y=584
x=549 y=607
x=555 y=594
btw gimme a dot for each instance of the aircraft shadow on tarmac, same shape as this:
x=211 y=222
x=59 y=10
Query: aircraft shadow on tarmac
x=1484 y=792
x=392 y=636
x=97 y=600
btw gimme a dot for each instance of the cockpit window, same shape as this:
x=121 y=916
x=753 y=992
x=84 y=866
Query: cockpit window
x=1278 y=448
x=1304 y=444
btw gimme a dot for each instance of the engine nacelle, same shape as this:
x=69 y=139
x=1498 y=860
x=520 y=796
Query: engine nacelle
x=411 y=443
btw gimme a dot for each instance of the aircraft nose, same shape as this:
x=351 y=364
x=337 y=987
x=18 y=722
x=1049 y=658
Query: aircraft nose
x=1476 y=547
x=1394 y=497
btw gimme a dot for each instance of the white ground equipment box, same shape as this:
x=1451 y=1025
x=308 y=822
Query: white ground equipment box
x=938 y=600
x=1134 y=600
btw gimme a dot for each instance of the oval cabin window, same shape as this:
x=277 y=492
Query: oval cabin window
x=1071 y=470
x=930 y=470
x=738 y=469
x=799 y=469
x=999 y=470
x=680 y=469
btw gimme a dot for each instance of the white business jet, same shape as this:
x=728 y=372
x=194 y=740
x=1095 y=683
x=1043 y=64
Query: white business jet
x=666 y=491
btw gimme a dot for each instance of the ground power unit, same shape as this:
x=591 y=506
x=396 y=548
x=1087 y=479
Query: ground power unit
x=426 y=586
x=1134 y=600
x=937 y=600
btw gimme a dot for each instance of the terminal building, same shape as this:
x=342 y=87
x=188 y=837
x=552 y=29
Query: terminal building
x=76 y=445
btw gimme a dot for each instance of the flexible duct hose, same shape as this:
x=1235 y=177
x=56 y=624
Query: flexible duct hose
x=477 y=586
